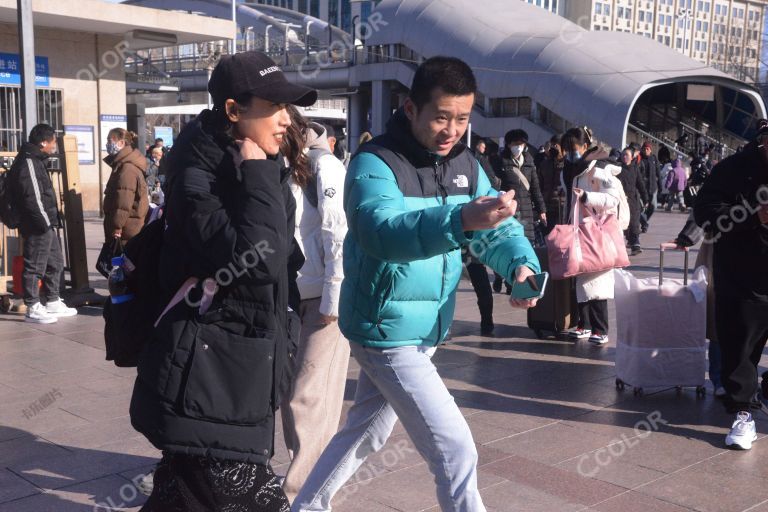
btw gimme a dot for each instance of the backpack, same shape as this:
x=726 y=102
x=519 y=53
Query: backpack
x=8 y=213
x=128 y=325
x=310 y=192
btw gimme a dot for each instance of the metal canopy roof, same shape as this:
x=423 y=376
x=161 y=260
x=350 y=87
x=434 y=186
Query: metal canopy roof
x=517 y=49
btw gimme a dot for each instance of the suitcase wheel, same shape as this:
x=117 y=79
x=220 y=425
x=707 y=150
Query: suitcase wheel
x=701 y=391
x=5 y=304
x=638 y=391
x=620 y=384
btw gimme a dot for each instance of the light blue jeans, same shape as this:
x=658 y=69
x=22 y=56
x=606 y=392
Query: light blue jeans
x=399 y=383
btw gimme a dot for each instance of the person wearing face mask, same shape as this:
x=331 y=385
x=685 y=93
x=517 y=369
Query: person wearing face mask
x=34 y=203
x=634 y=188
x=549 y=181
x=594 y=183
x=518 y=173
x=732 y=207
x=212 y=376
x=126 y=199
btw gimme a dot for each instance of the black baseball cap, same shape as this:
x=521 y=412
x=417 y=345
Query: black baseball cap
x=255 y=73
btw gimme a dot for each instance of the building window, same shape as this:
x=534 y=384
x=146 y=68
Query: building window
x=620 y=12
x=598 y=8
x=717 y=10
x=49 y=111
x=704 y=46
x=679 y=43
x=333 y=12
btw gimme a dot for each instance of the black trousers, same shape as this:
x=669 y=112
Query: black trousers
x=647 y=213
x=42 y=260
x=742 y=328
x=632 y=233
x=478 y=275
x=185 y=483
x=593 y=315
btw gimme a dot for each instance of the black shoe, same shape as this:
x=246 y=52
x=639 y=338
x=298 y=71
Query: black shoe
x=635 y=251
x=497 y=285
x=644 y=229
x=486 y=329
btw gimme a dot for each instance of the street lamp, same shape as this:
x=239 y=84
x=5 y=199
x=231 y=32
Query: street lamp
x=685 y=15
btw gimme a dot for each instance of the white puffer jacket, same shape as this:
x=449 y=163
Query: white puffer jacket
x=604 y=195
x=320 y=230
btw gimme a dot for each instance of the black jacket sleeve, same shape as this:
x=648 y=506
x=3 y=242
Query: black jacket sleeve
x=721 y=192
x=30 y=189
x=536 y=196
x=641 y=188
x=248 y=237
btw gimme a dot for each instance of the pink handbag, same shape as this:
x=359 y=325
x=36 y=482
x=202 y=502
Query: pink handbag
x=594 y=245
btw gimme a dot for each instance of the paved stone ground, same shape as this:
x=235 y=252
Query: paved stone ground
x=553 y=433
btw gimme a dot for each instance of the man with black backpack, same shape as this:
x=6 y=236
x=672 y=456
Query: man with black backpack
x=34 y=203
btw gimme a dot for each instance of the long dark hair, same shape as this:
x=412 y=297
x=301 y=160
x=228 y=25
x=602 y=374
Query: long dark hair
x=293 y=146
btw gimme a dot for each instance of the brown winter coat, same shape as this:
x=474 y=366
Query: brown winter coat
x=126 y=201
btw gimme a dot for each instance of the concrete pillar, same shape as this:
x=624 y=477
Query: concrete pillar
x=381 y=106
x=137 y=123
x=355 y=116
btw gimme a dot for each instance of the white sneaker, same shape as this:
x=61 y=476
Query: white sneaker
x=598 y=339
x=579 y=334
x=59 y=309
x=743 y=432
x=38 y=314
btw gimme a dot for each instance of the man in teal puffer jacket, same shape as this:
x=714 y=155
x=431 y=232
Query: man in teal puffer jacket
x=413 y=198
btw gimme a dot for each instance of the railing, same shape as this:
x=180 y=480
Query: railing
x=673 y=148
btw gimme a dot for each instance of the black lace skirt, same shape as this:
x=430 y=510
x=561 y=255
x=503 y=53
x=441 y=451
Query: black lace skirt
x=184 y=483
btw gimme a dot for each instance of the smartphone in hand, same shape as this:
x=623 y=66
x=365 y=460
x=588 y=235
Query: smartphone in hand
x=532 y=288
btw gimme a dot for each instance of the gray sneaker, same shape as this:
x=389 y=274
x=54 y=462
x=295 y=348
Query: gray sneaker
x=147 y=483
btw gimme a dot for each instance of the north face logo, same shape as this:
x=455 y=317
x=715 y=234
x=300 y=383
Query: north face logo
x=461 y=181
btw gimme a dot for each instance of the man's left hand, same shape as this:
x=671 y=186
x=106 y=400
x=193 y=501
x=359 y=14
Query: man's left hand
x=521 y=274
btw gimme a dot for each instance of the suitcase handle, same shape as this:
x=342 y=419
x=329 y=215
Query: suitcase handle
x=673 y=247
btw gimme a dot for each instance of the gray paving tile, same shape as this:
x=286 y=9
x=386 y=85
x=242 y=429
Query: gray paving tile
x=552 y=444
x=570 y=487
x=12 y=487
x=98 y=495
x=705 y=488
x=637 y=502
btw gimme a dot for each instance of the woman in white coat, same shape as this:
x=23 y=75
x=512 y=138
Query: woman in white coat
x=312 y=410
x=595 y=186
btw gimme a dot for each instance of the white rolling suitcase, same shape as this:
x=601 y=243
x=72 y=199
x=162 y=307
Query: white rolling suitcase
x=661 y=330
